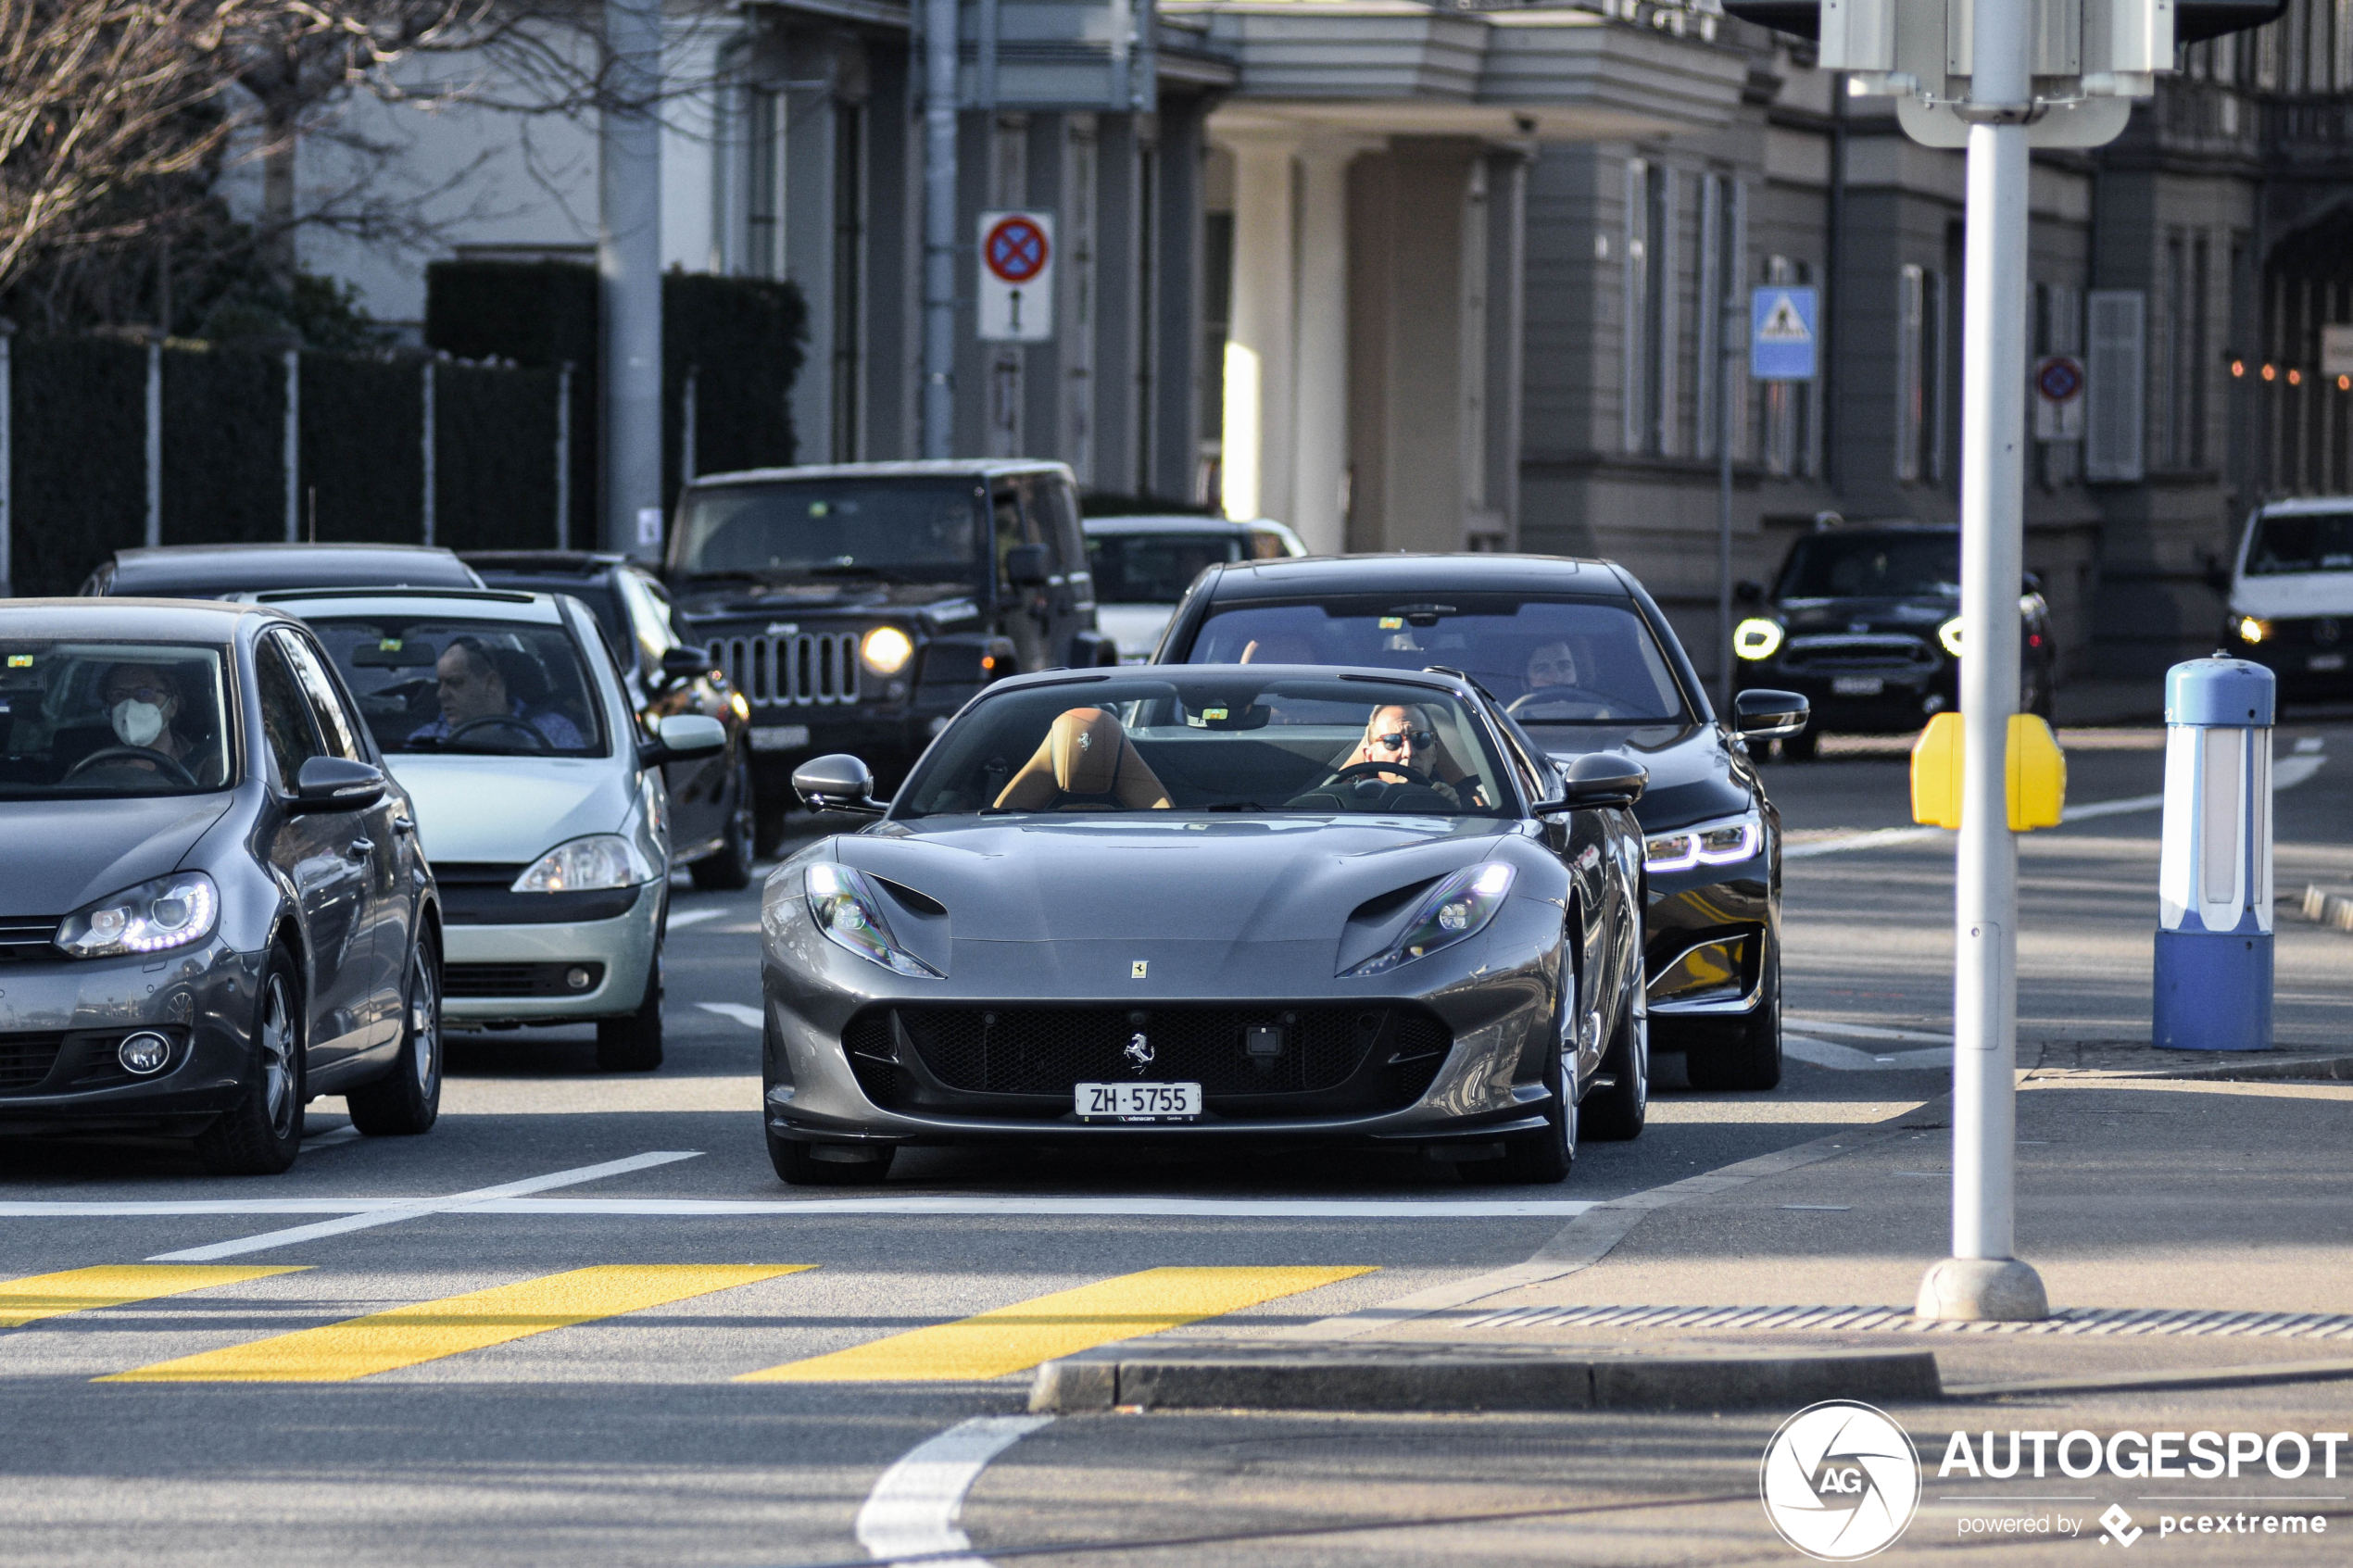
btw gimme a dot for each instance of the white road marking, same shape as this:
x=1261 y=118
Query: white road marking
x=456 y=1200
x=2307 y=744
x=1878 y=838
x=913 y=1510
x=1863 y=1031
x=747 y=1016
x=679 y=919
x=512 y=1199
x=1846 y=1059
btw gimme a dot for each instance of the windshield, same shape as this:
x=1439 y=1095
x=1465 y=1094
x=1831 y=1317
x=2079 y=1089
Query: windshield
x=111 y=719
x=509 y=687
x=2300 y=542
x=1559 y=661
x=1221 y=742
x=1873 y=566
x=1152 y=568
x=925 y=530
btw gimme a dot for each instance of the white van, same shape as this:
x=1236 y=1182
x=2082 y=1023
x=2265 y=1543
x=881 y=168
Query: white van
x=2291 y=595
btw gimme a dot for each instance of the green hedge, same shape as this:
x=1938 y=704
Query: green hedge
x=495 y=458
x=224 y=424
x=78 y=440
x=362 y=467
x=541 y=315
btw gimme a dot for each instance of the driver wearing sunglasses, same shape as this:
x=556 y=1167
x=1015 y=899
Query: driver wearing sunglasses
x=1403 y=734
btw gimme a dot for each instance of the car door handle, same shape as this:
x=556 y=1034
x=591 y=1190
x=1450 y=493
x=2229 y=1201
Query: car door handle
x=362 y=848
x=404 y=824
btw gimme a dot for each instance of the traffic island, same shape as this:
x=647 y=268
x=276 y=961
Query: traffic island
x=1391 y=1378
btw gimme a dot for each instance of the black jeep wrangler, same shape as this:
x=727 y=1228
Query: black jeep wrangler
x=857 y=606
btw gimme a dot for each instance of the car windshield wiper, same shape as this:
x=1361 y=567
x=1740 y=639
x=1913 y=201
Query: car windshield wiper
x=730 y=575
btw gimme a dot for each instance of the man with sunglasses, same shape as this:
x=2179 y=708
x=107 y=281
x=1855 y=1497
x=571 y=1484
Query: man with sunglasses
x=1403 y=734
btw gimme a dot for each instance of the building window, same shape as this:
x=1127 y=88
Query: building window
x=2059 y=329
x=850 y=238
x=1723 y=263
x=1217 y=321
x=1920 y=375
x=764 y=183
x=1639 y=338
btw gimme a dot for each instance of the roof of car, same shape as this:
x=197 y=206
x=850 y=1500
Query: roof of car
x=456 y=603
x=2305 y=506
x=935 y=468
x=162 y=619
x=1173 y=523
x=212 y=571
x=1401 y=574
x=543 y=563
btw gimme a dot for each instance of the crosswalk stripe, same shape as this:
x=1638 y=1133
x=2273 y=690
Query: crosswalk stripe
x=429 y=1330
x=1017 y=1338
x=112 y=1285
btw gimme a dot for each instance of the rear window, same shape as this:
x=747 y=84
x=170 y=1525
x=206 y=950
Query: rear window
x=2283 y=545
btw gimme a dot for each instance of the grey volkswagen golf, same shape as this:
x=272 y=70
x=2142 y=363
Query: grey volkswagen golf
x=212 y=903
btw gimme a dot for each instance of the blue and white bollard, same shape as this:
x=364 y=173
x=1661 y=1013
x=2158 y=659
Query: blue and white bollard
x=2214 y=874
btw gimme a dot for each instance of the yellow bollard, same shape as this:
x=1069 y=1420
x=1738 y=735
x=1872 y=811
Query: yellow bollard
x=2036 y=773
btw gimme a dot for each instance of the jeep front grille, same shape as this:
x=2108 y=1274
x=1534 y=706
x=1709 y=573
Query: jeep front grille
x=799 y=668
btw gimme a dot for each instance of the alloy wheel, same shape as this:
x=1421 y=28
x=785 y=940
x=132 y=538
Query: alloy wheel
x=278 y=1046
x=424 y=1021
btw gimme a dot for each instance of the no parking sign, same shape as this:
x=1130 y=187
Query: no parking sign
x=1016 y=277
x=2059 y=398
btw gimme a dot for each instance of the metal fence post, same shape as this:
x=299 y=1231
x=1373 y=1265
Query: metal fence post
x=686 y=430
x=291 y=461
x=430 y=366
x=153 y=535
x=563 y=456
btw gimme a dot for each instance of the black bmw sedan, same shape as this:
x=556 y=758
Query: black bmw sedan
x=1582 y=661
x=212 y=904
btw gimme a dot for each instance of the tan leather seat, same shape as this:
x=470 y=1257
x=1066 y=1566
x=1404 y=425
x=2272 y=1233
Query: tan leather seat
x=1086 y=762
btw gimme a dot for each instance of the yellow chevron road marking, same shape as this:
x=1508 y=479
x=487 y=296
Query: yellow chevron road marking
x=1016 y=1337
x=112 y=1285
x=429 y=1330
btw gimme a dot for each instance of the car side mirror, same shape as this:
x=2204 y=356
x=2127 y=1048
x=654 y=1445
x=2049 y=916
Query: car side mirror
x=1597 y=779
x=838 y=783
x=1025 y=566
x=686 y=663
x=337 y=783
x=683 y=738
x=1765 y=715
x=1749 y=592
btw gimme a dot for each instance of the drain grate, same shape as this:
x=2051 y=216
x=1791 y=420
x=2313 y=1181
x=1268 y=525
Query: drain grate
x=2095 y=1320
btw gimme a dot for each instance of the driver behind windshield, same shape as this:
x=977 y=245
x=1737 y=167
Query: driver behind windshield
x=142 y=702
x=1407 y=736
x=472 y=687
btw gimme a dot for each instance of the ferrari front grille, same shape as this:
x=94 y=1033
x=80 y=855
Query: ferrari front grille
x=793 y=669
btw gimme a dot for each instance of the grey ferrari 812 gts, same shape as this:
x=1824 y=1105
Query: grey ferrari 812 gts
x=1274 y=904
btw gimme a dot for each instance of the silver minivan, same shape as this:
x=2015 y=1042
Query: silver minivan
x=539 y=798
x=2291 y=595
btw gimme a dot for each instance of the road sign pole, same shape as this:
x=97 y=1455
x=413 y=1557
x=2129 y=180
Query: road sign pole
x=1982 y=1280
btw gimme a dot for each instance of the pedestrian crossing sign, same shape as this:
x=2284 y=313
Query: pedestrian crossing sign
x=1782 y=334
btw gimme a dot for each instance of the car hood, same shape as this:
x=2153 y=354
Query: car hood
x=784 y=601
x=1693 y=777
x=1232 y=881
x=2293 y=594
x=1135 y=628
x=59 y=855
x=509 y=810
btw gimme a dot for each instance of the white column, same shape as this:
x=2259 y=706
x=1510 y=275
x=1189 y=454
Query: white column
x=1319 y=441
x=629 y=264
x=1259 y=414
x=155 y=440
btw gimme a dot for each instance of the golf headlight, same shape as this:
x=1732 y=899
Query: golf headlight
x=849 y=910
x=887 y=650
x=170 y=911
x=583 y=865
x=1950 y=635
x=1455 y=910
x=1721 y=842
x=2253 y=630
x=1757 y=638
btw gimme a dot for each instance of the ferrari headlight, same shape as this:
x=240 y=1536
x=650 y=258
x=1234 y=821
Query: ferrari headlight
x=1757 y=638
x=581 y=865
x=847 y=908
x=1950 y=635
x=2253 y=629
x=170 y=911
x=1455 y=910
x=887 y=650
x=1722 y=843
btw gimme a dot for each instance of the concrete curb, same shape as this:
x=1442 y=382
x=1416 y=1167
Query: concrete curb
x=1414 y=1378
x=2303 y=1069
x=2133 y=1382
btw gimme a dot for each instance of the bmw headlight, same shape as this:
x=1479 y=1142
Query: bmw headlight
x=1455 y=910
x=849 y=910
x=581 y=865
x=1757 y=638
x=170 y=911
x=1721 y=842
x=1950 y=635
x=887 y=650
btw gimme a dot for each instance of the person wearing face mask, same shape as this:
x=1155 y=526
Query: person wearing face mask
x=142 y=701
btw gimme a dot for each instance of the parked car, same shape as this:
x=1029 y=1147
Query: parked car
x=540 y=800
x=1230 y=905
x=856 y=607
x=713 y=819
x=220 y=571
x=1582 y=661
x=212 y=904
x=1864 y=622
x=2291 y=595
x=1142 y=566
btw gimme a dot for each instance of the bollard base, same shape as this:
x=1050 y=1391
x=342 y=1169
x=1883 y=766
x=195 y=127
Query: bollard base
x=2213 y=991
x=1982 y=1290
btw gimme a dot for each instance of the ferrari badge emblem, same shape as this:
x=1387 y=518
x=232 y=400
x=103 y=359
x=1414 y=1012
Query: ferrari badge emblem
x=1136 y=971
x=1138 y=1052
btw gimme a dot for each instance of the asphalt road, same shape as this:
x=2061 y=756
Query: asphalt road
x=563 y=1369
